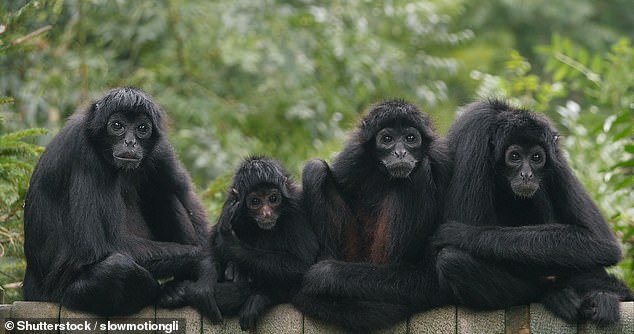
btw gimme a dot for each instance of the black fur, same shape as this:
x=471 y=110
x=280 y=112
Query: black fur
x=499 y=249
x=354 y=204
x=96 y=236
x=271 y=261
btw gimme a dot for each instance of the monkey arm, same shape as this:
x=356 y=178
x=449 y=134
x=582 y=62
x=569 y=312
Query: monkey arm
x=164 y=259
x=391 y=283
x=274 y=265
x=325 y=207
x=548 y=245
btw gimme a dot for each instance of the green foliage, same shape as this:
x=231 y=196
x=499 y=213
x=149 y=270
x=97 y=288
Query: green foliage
x=17 y=159
x=503 y=26
x=590 y=95
x=13 y=169
x=235 y=75
x=522 y=25
x=16 y=165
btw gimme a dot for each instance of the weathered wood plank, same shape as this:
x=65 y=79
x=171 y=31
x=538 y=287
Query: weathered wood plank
x=532 y=319
x=480 y=322
x=186 y=316
x=517 y=320
x=625 y=326
x=544 y=322
x=437 y=321
x=228 y=326
x=281 y=319
x=312 y=326
x=75 y=317
x=146 y=314
x=5 y=313
x=34 y=310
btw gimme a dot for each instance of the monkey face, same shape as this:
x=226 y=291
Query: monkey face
x=398 y=149
x=128 y=135
x=523 y=168
x=264 y=206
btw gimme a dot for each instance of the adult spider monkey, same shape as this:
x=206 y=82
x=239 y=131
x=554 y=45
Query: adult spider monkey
x=520 y=227
x=374 y=210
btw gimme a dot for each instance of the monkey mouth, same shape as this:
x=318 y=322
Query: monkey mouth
x=400 y=169
x=127 y=161
x=127 y=156
x=524 y=189
x=266 y=224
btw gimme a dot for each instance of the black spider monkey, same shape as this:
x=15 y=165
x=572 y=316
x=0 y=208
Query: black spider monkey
x=110 y=210
x=375 y=209
x=519 y=224
x=262 y=238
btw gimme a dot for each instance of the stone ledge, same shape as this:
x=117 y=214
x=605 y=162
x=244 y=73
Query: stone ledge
x=284 y=318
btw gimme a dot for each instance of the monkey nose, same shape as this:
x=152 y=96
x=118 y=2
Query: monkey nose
x=526 y=176
x=400 y=154
x=267 y=213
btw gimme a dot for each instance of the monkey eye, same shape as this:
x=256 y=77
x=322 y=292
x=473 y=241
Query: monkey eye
x=273 y=199
x=537 y=157
x=255 y=201
x=387 y=139
x=142 y=128
x=116 y=125
x=410 y=138
x=515 y=156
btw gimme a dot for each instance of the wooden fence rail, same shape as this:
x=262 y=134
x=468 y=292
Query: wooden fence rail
x=532 y=318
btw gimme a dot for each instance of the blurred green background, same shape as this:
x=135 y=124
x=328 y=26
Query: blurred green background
x=290 y=78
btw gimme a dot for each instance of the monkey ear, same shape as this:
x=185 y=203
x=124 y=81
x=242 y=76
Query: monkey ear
x=233 y=193
x=285 y=188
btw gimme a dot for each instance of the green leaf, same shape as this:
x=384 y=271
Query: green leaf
x=561 y=73
x=626 y=183
x=596 y=65
x=22 y=134
x=5 y=99
x=624 y=164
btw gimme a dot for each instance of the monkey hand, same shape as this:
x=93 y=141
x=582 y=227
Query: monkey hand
x=452 y=234
x=228 y=233
x=229 y=244
x=225 y=222
x=226 y=229
x=173 y=294
x=601 y=308
x=234 y=196
x=202 y=297
x=227 y=240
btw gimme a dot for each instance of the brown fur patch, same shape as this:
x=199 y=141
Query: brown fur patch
x=366 y=238
x=353 y=241
x=378 y=251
